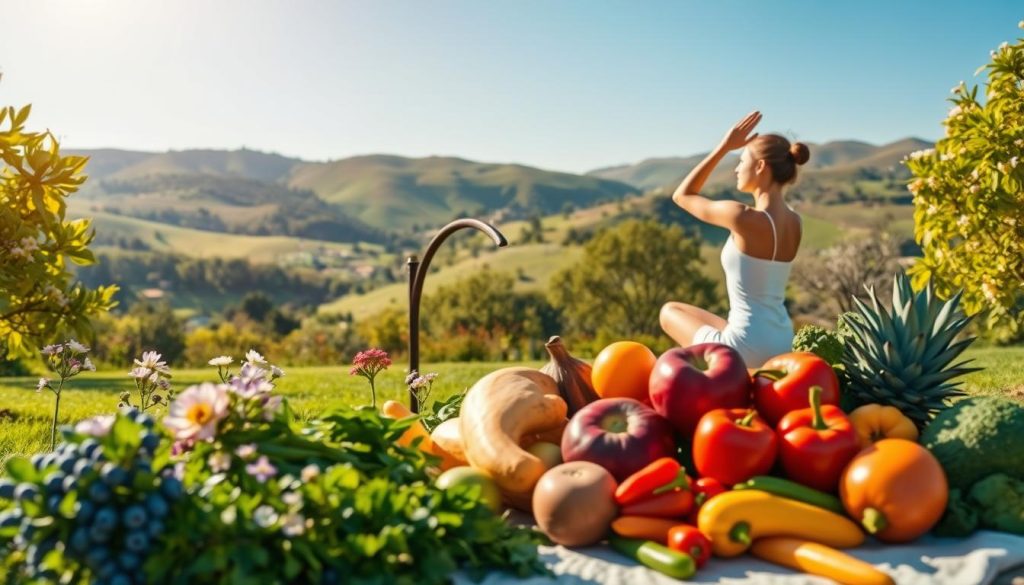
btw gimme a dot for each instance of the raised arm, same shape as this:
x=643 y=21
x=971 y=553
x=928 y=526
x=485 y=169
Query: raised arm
x=721 y=213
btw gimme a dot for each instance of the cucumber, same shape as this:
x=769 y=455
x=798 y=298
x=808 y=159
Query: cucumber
x=655 y=556
x=792 y=490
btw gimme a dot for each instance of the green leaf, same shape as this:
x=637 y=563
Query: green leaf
x=22 y=470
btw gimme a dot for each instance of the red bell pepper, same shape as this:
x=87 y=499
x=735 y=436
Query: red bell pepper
x=689 y=540
x=674 y=504
x=782 y=383
x=816 y=443
x=704 y=489
x=733 y=445
x=660 y=476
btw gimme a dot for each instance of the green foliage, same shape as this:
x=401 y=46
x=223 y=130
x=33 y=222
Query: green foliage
x=969 y=196
x=820 y=341
x=627 y=273
x=38 y=296
x=147 y=326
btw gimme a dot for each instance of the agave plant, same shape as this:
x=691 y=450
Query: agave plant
x=900 y=356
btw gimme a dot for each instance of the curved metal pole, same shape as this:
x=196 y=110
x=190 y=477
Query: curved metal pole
x=418 y=273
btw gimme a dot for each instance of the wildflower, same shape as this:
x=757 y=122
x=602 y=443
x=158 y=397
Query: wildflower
x=963 y=220
x=368 y=364
x=293 y=499
x=139 y=373
x=88 y=365
x=264 y=516
x=77 y=348
x=151 y=360
x=272 y=407
x=219 y=462
x=163 y=384
x=251 y=381
x=18 y=252
x=43 y=383
x=253 y=357
x=293 y=524
x=97 y=426
x=262 y=469
x=52 y=349
x=196 y=412
x=221 y=361
x=276 y=372
x=246 y=451
x=1013 y=162
x=309 y=473
x=955 y=111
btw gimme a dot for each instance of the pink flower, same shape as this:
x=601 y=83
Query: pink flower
x=368 y=364
x=97 y=426
x=262 y=469
x=196 y=412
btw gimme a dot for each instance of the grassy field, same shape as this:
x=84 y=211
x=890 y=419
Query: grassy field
x=25 y=416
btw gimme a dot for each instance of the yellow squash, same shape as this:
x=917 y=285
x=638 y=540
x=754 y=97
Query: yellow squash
x=818 y=559
x=735 y=519
x=397 y=410
x=874 y=422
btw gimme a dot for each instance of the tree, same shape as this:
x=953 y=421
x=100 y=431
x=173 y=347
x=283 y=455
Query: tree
x=39 y=298
x=968 y=195
x=627 y=273
x=835 y=275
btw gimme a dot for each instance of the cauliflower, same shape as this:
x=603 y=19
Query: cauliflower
x=824 y=343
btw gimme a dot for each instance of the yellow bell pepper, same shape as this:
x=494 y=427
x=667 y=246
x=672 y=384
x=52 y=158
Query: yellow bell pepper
x=874 y=422
x=733 y=520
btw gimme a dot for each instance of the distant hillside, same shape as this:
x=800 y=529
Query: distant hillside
x=831 y=162
x=403 y=192
x=128 y=165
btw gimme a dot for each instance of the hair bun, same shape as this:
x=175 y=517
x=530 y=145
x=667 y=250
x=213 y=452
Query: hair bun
x=799 y=152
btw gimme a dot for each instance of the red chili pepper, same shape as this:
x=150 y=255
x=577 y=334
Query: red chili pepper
x=816 y=443
x=689 y=540
x=660 y=476
x=733 y=445
x=674 y=504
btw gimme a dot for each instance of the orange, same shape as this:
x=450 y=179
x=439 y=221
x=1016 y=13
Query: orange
x=623 y=370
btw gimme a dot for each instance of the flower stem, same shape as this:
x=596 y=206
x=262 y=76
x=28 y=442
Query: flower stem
x=56 y=411
x=373 y=395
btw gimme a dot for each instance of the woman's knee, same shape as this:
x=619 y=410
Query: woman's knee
x=668 y=313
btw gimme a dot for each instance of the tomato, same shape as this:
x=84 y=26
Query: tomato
x=782 y=384
x=688 y=539
x=623 y=370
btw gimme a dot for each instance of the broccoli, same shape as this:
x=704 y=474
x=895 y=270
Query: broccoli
x=999 y=499
x=824 y=343
x=960 y=518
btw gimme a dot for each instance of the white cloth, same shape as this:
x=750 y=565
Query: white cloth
x=975 y=560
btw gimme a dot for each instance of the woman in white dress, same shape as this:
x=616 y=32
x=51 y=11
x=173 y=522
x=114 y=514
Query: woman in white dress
x=763 y=240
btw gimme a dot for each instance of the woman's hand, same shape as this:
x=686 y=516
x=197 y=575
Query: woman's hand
x=739 y=135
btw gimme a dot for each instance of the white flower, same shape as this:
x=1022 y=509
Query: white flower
x=194 y=414
x=1020 y=24
x=29 y=244
x=292 y=498
x=221 y=361
x=163 y=384
x=151 y=360
x=262 y=469
x=922 y=153
x=88 y=365
x=140 y=373
x=963 y=220
x=52 y=349
x=309 y=473
x=1002 y=167
x=154 y=378
x=955 y=111
x=293 y=524
x=246 y=451
x=43 y=383
x=1004 y=46
x=271 y=408
x=1013 y=162
x=975 y=189
x=97 y=426
x=77 y=348
x=931 y=210
x=253 y=357
x=219 y=461
x=18 y=252
x=264 y=516
x=989 y=291
x=276 y=372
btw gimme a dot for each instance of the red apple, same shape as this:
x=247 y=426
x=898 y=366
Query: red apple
x=688 y=382
x=622 y=435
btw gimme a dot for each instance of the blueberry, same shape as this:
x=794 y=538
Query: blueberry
x=54 y=482
x=120 y=579
x=27 y=530
x=46 y=461
x=113 y=475
x=129 y=561
x=99 y=492
x=150 y=442
x=134 y=516
x=25 y=491
x=155 y=529
x=136 y=541
x=106 y=518
x=84 y=509
x=34 y=555
x=82 y=466
x=7 y=489
x=99 y=534
x=96 y=555
x=171 y=487
x=53 y=503
x=107 y=570
x=156 y=504
x=37 y=460
x=80 y=540
x=70 y=483
x=10 y=518
x=67 y=463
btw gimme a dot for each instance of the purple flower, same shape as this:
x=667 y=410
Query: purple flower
x=262 y=469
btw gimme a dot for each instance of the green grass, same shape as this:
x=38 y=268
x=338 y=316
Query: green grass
x=25 y=416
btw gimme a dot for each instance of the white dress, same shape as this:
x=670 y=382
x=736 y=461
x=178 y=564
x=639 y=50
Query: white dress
x=759 y=326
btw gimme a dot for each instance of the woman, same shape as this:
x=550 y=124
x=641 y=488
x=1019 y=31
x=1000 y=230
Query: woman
x=762 y=243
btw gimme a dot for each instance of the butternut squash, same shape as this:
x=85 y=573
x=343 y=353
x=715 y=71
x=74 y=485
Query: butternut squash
x=448 y=437
x=498 y=412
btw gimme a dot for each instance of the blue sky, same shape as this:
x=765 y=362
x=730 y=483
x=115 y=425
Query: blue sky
x=570 y=85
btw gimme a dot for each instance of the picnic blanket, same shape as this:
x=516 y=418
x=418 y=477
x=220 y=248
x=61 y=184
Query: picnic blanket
x=976 y=560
